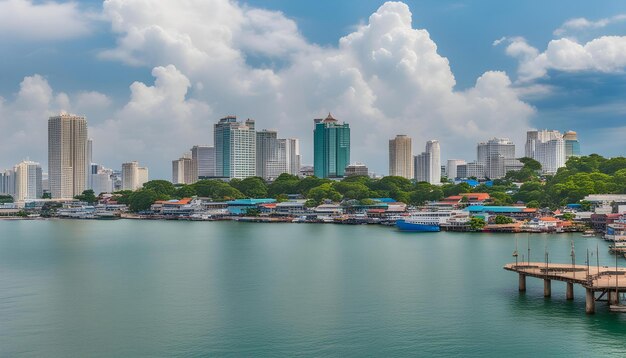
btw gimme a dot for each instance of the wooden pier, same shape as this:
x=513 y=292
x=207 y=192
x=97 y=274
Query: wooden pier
x=601 y=283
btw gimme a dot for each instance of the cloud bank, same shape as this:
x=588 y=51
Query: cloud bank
x=213 y=58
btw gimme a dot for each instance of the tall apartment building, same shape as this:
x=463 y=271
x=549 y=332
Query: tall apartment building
x=203 y=161
x=67 y=155
x=401 y=157
x=183 y=171
x=235 y=148
x=572 y=145
x=427 y=165
x=133 y=176
x=27 y=181
x=331 y=147
x=548 y=148
x=493 y=155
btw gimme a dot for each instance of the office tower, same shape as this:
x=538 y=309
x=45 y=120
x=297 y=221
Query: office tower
x=7 y=182
x=572 y=146
x=331 y=147
x=27 y=181
x=183 y=170
x=471 y=170
x=203 y=161
x=268 y=155
x=67 y=155
x=100 y=179
x=235 y=148
x=548 y=148
x=356 y=169
x=423 y=166
x=401 y=157
x=293 y=155
x=89 y=159
x=427 y=165
x=451 y=169
x=133 y=176
x=493 y=154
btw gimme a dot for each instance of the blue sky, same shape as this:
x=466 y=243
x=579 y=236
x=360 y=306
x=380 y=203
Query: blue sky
x=95 y=60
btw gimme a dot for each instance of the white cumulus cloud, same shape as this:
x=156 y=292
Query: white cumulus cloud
x=581 y=23
x=50 y=20
x=605 y=54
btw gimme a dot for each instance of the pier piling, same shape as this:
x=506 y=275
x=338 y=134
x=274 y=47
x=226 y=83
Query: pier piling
x=522 y=283
x=569 y=292
x=547 y=288
x=590 y=302
x=613 y=298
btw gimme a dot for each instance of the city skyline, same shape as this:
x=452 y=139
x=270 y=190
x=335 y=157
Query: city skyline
x=149 y=93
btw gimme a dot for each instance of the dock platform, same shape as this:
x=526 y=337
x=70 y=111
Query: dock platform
x=603 y=280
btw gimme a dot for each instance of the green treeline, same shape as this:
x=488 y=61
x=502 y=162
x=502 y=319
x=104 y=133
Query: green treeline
x=582 y=176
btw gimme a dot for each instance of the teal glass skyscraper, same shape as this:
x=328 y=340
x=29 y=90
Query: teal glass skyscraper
x=331 y=148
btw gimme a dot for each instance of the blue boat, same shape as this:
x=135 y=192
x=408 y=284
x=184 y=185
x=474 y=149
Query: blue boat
x=414 y=226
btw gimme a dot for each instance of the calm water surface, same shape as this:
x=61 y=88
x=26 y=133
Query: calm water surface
x=148 y=288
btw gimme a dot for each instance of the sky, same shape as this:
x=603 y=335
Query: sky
x=152 y=77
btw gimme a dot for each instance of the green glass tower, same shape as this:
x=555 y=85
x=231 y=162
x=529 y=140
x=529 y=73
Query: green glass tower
x=331 y=148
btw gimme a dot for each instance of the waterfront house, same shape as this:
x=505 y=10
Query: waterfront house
x=241 y=206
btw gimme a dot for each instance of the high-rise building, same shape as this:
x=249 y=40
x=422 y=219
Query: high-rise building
x=401 y=157
x=356 y=169
x=572 y=145
x=471 y=170
x=331 y=147
x=548 y=148
x=89 y=159
x=235 y=148
x=275 y=156
x=27 y=181
x=293 y=155
x=7 y=182
x=183 y=170
x=493 y=154
x=67 y=155
x=203 y=161
x=423 y=166
x=428 y=164
x=451 y=169
x=133 y=176
x=432 y=146
x=268 y=155
x=100 y=179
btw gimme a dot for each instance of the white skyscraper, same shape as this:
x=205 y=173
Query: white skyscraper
x=67 y=155
x=203 y=161
x=548 y=148
x=432 y=146
x=494 y=155
x=27 y=181
x=133 y=176
x=427 y=165
x=401 y=157
x=293 y=155
x=235 y=148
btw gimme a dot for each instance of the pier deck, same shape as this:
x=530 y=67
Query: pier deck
x=602 y=279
